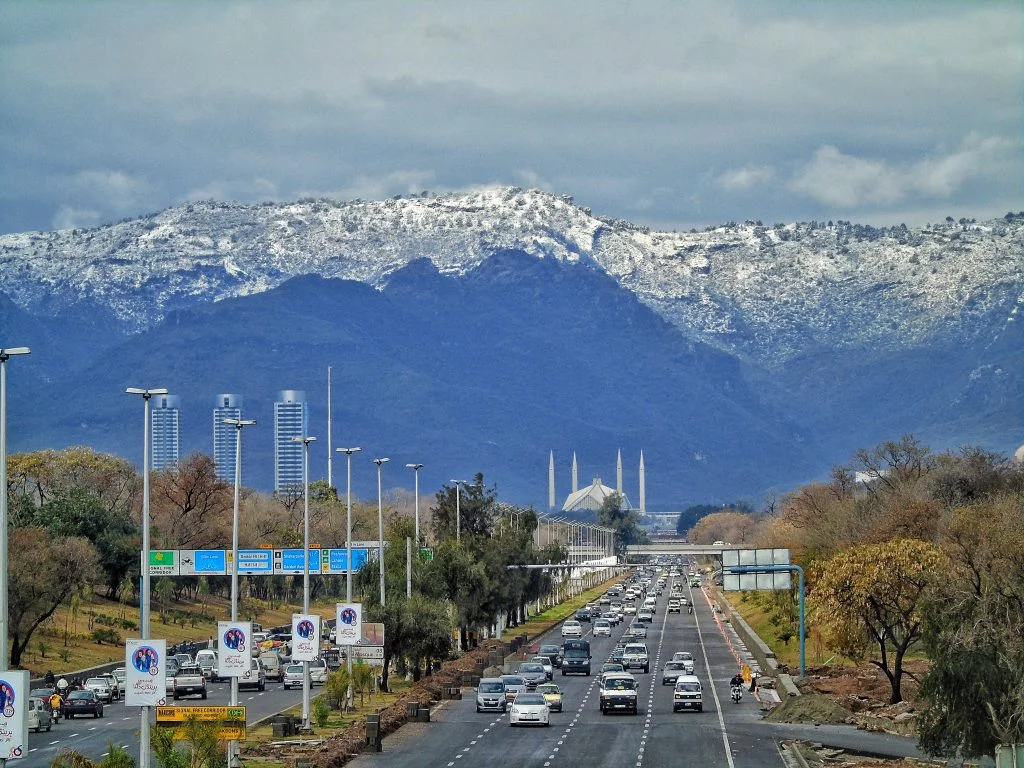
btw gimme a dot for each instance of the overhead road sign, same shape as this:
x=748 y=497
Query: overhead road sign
x=202 y=562
x=749 y=578
x=253 y=561
x=291 y=561
x=335 y=561
x=163 y=562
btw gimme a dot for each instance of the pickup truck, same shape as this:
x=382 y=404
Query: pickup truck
x=635 y=656
x=188 y=681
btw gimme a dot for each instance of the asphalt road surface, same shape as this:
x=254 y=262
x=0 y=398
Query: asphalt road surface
x=725 y=734
x=120 y=724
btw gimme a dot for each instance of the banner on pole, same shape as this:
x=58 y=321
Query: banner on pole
x=14 y=714
x=234 y=649
x=145 y=671
x=305 y=637
x=348 y=627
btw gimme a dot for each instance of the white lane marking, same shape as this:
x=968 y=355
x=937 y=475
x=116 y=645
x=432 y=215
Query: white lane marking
x=57 y=741
x=35 y=748
x=714 y=693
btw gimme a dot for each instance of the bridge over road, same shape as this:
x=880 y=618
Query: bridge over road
x=676 y=548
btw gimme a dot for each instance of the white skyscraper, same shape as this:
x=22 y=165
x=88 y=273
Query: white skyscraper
x=166 y=431
x=291 y=419
x=228 y=407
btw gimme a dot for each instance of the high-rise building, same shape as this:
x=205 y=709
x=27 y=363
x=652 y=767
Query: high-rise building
x=291 y=419
x=227 y=407
x=166 y=433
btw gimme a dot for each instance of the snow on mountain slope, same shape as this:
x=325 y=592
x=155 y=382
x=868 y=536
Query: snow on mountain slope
x=765 y=293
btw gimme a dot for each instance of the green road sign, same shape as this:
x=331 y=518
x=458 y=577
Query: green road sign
x=163 y=562
x=426 y=553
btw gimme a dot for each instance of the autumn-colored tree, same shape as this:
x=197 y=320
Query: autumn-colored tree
x=867 y=601
x=191 y=507
x=974 y=633
x=734 y=527
x=44 y=572
x=41 y=475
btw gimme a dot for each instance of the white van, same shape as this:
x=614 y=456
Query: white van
x=207 y=661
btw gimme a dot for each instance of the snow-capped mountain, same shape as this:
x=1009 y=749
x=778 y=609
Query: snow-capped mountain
x=483 y=329
x=766 y=293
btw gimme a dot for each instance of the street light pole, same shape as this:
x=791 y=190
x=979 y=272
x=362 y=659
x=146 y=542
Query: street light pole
x=144 y=596
x=458 y=510
x=305 y=440
x=238 y=424
x=5 y=354
x=416 y=468
x=380 y=526
x=349 y=703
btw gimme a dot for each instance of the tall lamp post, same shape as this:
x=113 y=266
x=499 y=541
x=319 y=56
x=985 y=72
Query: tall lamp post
x=305 y=440
x=380 y=526
x=144 y=596
x=5 y=354
x=348 y=560
x=238 y=424
x=458 y=505
x=416 y=468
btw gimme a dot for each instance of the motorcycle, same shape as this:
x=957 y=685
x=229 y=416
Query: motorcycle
x=736 y=692
x=689 y=609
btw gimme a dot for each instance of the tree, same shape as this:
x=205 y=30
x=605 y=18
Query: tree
x=734 y=527
x=622 y=521
x=689 y=516
x=192 y=508
x=80 y=512
x=474 y=507
x=43 y=572
x=870 y=596
x=974 y=634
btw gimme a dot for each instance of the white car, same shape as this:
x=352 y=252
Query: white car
x=686 y=658
x=572 y=628
x=630 y=609
x=529 y=709
x=101 y=688
x=602 y=628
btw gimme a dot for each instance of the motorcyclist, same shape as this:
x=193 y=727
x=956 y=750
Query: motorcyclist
x=737 y=680
x=49 y=679
x=56 y=702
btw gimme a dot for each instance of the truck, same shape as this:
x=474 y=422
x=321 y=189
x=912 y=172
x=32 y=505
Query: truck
x=576 y=657
x=188 y=681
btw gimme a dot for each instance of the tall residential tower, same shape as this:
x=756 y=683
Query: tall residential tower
x=166 y=431
x=227 y=407
x=291 y=419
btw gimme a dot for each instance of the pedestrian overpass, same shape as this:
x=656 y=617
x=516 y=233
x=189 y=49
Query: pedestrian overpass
x=676 y=548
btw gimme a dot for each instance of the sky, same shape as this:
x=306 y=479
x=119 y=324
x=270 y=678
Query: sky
x=671 y=114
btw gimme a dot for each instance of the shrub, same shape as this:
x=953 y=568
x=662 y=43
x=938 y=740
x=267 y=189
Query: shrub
x=102 y=636
x=321 y=711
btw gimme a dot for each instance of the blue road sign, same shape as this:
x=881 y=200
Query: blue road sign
x=291 y=561
x=255 y=561
x=337 y=560
x=209 y=561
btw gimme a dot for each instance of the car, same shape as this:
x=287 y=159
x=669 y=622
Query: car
x=617 y=652
x=514 y=686
x=101 y=687
x=171 y=666
x=571 y=628
x=583 y=614
x=490 y=695
x=529 y=709
x=533 y=674
x=182 y=659
x=651 y=604
x=121 y=675
x=84 y=702
x=611 y=668
x=254 y=677
x=273 y=667
x=45 y=694
x=553 y=652
x=674 y=606
x=207 y=661
x=686 y=658
x=618 y=691
x=695 y=582
x=629 y=609
x=645 y=614
x=612 y=617
x=39 y=716
x=188 y=681
x=544 y=661
x=637 y=629
x=635 y=655
x=294 y=675
x=552 y=696
x=318 y=672
x=602 y=628
x=115 y=686
x=687 y=694
x=576 y=657
x=673 y=671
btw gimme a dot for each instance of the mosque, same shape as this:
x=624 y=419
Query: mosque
x=592 y=497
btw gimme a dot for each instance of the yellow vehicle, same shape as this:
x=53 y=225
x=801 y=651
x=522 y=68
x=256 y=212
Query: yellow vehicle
x=552 y=696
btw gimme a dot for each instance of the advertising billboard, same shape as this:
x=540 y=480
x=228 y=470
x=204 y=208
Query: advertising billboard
x=349 y=626
x=145 y=670
x=305 y=637
x=14 y=714
x=234 y=649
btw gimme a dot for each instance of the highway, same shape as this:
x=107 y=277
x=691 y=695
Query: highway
x=120 y=724
x=724 y=735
